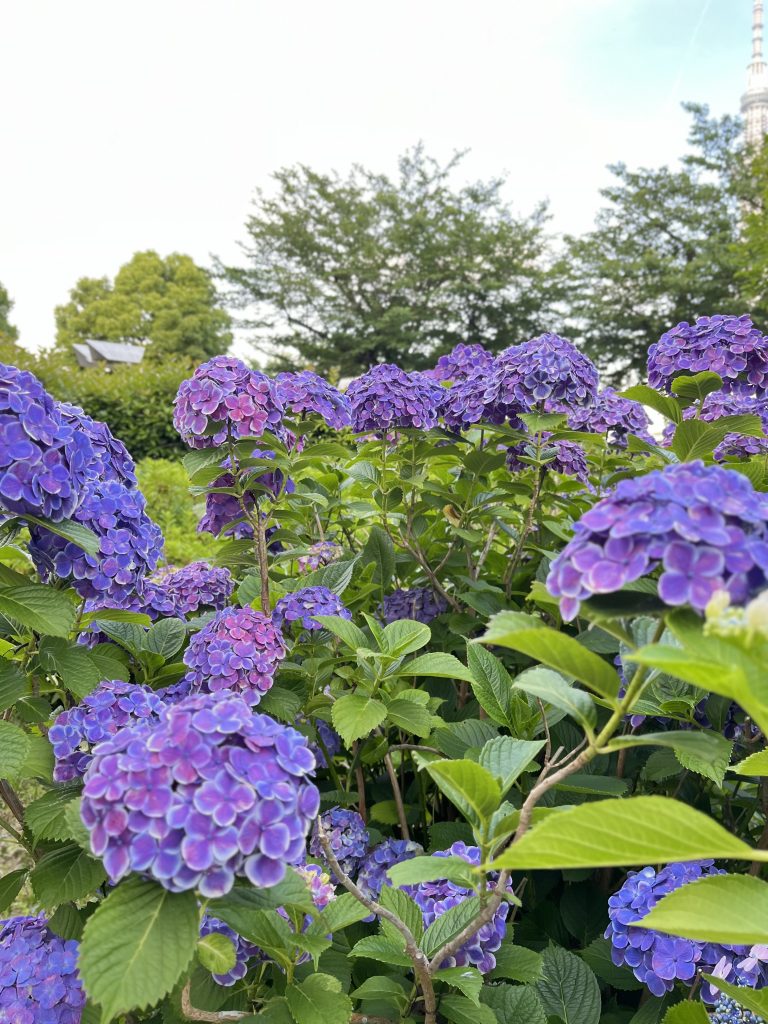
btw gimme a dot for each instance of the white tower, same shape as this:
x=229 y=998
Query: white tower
x=754 y=102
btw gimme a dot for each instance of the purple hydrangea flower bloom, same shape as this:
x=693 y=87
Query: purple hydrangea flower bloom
x=112 y=460
x=148 y=598
x=469 y=402
x=740 y=447
x=435 y=898
x=348 y=837
x=226 y=515
x=237 y=652
x=566 y=457
x=225 y=391
x=420 y=603
x=543 y=371
x=195 y=586
x=728 y=1011
x=329 y=737
x=45 y=464
x=322 y=553
x=704 y=525
x=112 y=705
x=373 y=870
x=302 y=605
x=39 y=983
x=209 y=792
x=130 y=545
x=462 y=362
x=730 y=346
x=244 y=950
x=387 y=397
x=307 y=392
x=613 y=416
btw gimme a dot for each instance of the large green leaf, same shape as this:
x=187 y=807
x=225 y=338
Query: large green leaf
x=444 y=666
x=346 y=631
x=687 y=1012
x=731 y=909
x=468 y=786
x=319 y=1000
x=10 y=887
x=429 y=869
x=697 y=743
x=491 y=683
x=618 y=833
x=410 y=716
x=216 y=953
x=65 y=873
x=517 y=963
x=42 y=609
x=569 y=990
x=695 y=439
x=468 y=980
x=755 y=764
x=137 y=945
x=749 y=998
x=697 y=386
x=382 y=949
x=13 y=684
x=355 y=715
x=557 y=650
x=243 y=900
x=380 y=550
x=514 y=1004
x=551 y=688
x=45 y=816
x=166 y=637
x=448 y=925
x=506 y=758
x=73 y=663
x=14 y=746
x=662 y=404
x=461 y=1010
x=71 y=531
x=404 y=636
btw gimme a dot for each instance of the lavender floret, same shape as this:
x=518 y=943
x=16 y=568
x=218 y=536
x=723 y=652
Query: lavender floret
x=302 y=606
x=39 y=983
x=307 y=392
x=730 y=346
x=420 y=603
x=348 y=837
x=387 y=397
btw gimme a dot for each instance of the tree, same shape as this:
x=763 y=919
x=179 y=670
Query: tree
x=663 y=250
x=752 y=248
x=8 y=332
x=345 y=272
x=170 y=305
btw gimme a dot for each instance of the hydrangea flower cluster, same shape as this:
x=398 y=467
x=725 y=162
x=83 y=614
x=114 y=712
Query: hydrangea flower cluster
x=39 y=983
x=225 y=392
x=322 y=553
x=470 y=401
x=112 y=460
x=613 y=416
x=463 y=362
x=543 y=371
x=704 y=525
x=718 y=404
x=237 y=652
x=197 y=585
x=45 y=464
x=329 y=737
x=728 y=1011
x=111 y=706
x=209 y=792
x=435 y=898
x=730 y=346
x=244 y=950
x=387 y=397
x=372 y=875
x=420 y=603
x=566 y=457
x=348 y=837
x=130 y=545
x=307 y=392
x=302 y=606
x=225 y=514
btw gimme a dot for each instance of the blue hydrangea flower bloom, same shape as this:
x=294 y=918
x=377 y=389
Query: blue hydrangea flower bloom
x=130 y=545
x=237 y=652
x=373 y=870
x=39 y=983
x=45 y=464
x=462 y=362
x=613 y=416
x=566 y=457
x=435 y=898
x=469 y=401
x=728 y=1011
x=244 y=950
x=730 y=346
x=226 y=515
x=419 y=603
x=111 y=706
x=225 y=392
x=112 y=460
x=322 y=553
x=307 y=392
x=704 y=525
x=195 y=586
x=302 y=605
x=348 y=837
x=540 y=372
x=387 y=397
x=209 y=792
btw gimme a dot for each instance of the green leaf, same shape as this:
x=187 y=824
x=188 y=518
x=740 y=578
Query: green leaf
x=491 y=683
x=137 y=945
x=596 y=785
x=551 y=688
x=243 y=900
x=282 y=703
x=506 y=758
x=461 y=1010
x=40 y=608
x=517 y=963
x=10 y=887
x=712 y=766
x=346 y=631
x=569 y=990
x=13 y=684
x=409 y=716
x=429 y=869
x=665 y=406
x=216 y=953
x=72 y=663
x=559 y=651
x=514 y=1004
x=319 y=1000
x=116 y=615
x=697 y=386
x=749 y=998
x=731 y=909
x=45 y=816
x=340 y=913
x=755 y=765
x=442 y=666
x=127 y=634
x=407 y=910
x=67 y=922
x=355 y=715
x=694 y=742
x=271 y=932
x=69 y=530
x=619 y=833
x=687 y=1012
x=695 y=439
x=166 y=638
x=380 y=987
x=66 y=873
x=448 y=925
x=14 y=746
x=597 y=955
x=469 y=787
x=468 y=980
x=379 y=947
x=404 y=636
x=38 y=760
x=380 y=550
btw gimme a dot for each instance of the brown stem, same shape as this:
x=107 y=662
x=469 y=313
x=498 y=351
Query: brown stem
x=261 y=550
x=15 y=806
x=415 y=551
x=396 y=793
x=362 y=810
x=527 y=527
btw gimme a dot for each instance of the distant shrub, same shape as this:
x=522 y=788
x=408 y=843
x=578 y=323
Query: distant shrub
x=165 y=485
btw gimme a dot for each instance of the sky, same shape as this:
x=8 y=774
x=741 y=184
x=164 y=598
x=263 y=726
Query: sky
x=148 y=124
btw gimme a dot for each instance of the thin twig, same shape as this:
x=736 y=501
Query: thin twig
x=215 y=1016
x=396 y=793
x=15 y=806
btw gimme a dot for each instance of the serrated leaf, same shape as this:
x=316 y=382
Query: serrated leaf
x=165 y=638
x=406 y=909
x=517 y=963
x=455 y=738
x=380 y=550
x=404 y=636
x=282 y=703
x=40 y=608
x=243 y=900
x=551 y=688
x=731 y=909
x=569 y=990
x=379 y=947
x=491 y=683
x=38 y=760
x=13 y=684
x=597 y=955
x=65 y=873
x=697 y=386
x=514 y=1004
x=755 y=765
x=355 y=715
x=428 y=869
x=137 y=945
x=127 y=634
x=438 y=664
x=469 y=787
x=14 y=746
x=662 y=404
x=346 y=631
x=216 y=953
x=507 y=758
x=384 y=989
x=714 y=766
x=10 y=887
x=319 y=1000
x=410 y=717
x=340 y=913
x=70 y=530
x=468 y=980
x=72 y=663
x=448 y=925
x=45 y=816
x=67 y=922
x=461 y=1010
x=687 y=1012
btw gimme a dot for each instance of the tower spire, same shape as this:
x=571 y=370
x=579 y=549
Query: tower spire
x=754 y=102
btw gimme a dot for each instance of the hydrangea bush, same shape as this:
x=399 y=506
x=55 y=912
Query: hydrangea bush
x=463 y=722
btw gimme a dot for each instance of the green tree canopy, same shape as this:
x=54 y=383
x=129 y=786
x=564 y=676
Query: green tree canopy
x=343 y=272
x=170 y=305
x=8 y=333
x=751 y=250
x=663 y=249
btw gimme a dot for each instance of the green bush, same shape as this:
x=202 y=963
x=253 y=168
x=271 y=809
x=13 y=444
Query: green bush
x=165 y=485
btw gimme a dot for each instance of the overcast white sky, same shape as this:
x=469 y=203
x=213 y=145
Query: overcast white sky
x=148 y=124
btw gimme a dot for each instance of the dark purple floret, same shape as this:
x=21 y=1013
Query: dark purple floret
x=307 y=392
x=387 y=397
x=331 y=740
x=244 y=950
x=465 y=403
x=111 y=706
x=435 y=898
x=302 y=606
x=373 y=870
x=112 y=460
x=420 y=603
x=462 y=362
x=705 y=526
x=236 y=653
x=730 y=346
x=348 y=837
x=322 y=553
x=39 y=983
x=195 y=586
x=225 y=393
x=45 y=464
x=208 y=793
x=130 y=545
x=226 y=515
x=543 y=371
x=613 y=416
x=566 y=457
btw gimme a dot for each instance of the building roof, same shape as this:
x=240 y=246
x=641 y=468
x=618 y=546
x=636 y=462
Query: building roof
x=116 y=351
